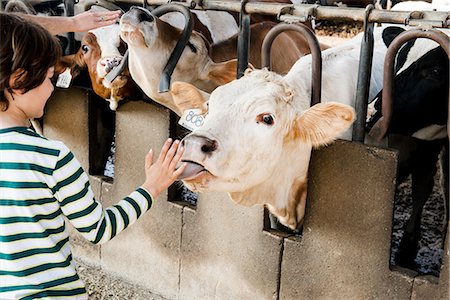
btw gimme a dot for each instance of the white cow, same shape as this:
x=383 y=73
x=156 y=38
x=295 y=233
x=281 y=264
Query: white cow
x=257 y=138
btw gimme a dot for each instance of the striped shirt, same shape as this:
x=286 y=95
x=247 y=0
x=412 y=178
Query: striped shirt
x=41 y=185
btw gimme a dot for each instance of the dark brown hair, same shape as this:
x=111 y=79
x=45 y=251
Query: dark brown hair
x=27 y=51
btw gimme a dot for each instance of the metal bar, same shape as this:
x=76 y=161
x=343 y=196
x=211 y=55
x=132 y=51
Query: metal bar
x=316 y=77
x=243 y=44
x=429 y=18
x=363 y=85
x=380 y=128
x=70 y=9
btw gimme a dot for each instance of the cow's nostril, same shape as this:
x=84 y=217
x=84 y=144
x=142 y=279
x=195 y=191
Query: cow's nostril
x=209 y=146
x=143 y=16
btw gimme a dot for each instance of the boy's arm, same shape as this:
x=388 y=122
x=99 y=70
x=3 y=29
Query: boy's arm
x=98 y=225
x=82 y=22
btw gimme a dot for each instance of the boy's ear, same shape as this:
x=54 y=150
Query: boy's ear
x=17 y=77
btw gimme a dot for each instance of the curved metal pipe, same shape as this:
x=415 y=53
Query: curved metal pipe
x=381 y=127
x=316 y=77
x=166 y=76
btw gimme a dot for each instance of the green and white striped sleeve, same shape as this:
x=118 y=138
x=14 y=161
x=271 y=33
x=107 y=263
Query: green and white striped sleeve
x=74 y=193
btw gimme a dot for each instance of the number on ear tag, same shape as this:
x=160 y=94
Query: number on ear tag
x=192 y=119
x=64 y=79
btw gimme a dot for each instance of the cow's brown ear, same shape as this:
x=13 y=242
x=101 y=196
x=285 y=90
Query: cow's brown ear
x=324 y=122
x=74 y=62
x=223 y=72
x=186 y=96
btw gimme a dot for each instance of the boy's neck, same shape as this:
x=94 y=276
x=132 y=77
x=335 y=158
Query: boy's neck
x=8 y=120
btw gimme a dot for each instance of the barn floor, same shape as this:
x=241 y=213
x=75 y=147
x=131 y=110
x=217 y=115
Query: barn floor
x=101 y=285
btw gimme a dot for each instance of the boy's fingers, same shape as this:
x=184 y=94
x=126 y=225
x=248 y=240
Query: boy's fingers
x=171 y=153
x=164 y=149
x=149 y=159
x=180 y=170
x=176 y=159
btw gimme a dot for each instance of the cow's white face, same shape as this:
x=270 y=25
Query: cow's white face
x=256 y=142
x=138 y=29
x=108 y=41
x=246 y=127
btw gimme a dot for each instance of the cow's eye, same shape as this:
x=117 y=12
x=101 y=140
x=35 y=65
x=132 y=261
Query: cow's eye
x=85 y=49
x=265 y=118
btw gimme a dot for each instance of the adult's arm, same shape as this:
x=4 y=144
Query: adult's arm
x=82 y=22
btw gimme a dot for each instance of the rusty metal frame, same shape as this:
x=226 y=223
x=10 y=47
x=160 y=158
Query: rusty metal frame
x=380 y=128
x=435 y=19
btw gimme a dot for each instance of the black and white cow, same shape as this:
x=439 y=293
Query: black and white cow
x=418 y=127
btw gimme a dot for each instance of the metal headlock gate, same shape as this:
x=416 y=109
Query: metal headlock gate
x=301 y=13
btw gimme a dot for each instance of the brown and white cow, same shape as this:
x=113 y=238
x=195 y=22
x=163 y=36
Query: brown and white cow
x=286 y=49
x=101 y=50
x=257 y=138
x=151 y=41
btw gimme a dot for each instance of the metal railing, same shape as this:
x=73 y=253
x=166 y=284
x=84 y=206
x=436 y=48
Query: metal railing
x=302 y=12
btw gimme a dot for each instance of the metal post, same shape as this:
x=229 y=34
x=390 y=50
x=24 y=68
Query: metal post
x=243 y=45
x=363 y=85
x=70 y=10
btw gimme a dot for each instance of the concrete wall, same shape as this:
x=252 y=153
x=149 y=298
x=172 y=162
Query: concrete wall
x=220 y=250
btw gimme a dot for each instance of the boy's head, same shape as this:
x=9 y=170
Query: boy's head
x=27 y=51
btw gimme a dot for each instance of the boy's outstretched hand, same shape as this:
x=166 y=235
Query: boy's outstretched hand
x=163 y=172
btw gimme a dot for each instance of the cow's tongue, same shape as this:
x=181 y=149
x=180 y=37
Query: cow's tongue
x=191 y=170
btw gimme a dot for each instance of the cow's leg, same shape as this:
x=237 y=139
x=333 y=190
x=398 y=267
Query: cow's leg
x=423 y=171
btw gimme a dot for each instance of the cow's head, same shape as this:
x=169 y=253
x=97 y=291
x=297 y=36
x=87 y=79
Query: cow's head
x=256 y=141
x=420 y=89
x=101 y=50
x=151 y=42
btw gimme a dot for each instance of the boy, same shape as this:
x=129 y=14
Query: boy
x=41 y=181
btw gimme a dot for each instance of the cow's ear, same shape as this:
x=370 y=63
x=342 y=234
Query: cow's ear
x=324 y=122
x=186 y=96
x=224 y=72
x=74 y=62
x=390 y=33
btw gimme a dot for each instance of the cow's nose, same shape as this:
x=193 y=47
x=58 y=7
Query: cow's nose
x=195 y=143
x=112 y=63
x=208 y=146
